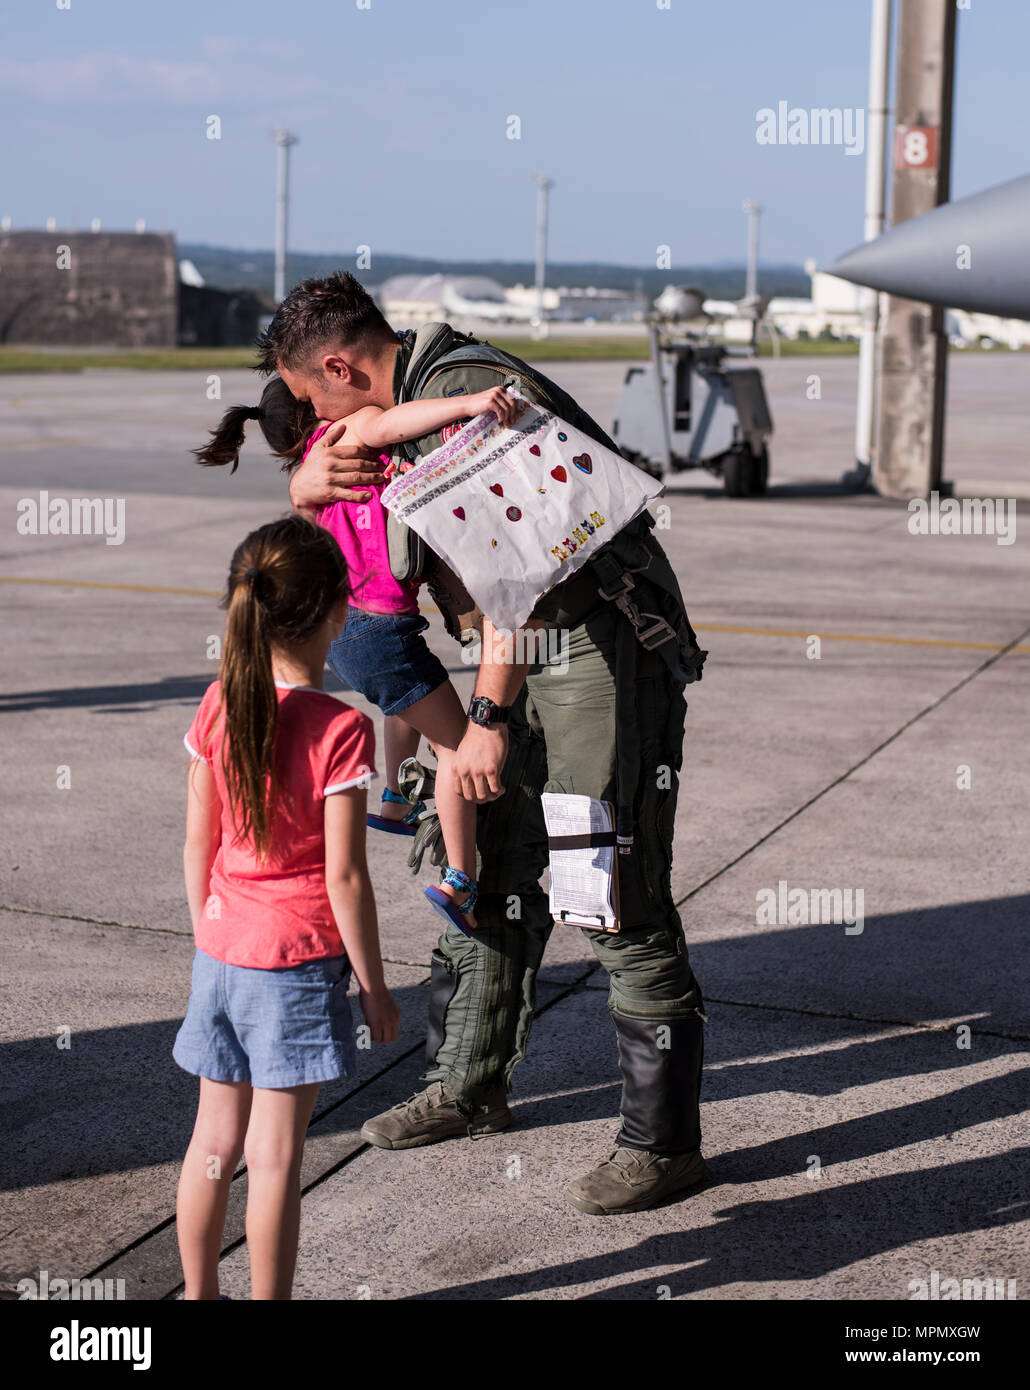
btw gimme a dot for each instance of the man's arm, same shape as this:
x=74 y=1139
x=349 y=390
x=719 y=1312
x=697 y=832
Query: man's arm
x=482 y=751
x=334 y=472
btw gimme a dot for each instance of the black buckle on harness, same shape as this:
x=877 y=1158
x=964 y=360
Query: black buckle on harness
x=624 y=582
x=651 y=630
x=650 y=638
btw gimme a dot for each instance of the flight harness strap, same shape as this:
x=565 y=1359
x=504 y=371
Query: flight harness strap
x=651 y=630
x=627 y=736
x=655 y=634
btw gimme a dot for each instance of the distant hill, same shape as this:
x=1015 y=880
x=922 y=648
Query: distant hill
x=227 y=269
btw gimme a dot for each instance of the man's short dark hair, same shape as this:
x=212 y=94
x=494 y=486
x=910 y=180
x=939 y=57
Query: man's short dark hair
x=336 y=311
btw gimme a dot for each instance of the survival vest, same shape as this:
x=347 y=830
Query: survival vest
x=632 y=570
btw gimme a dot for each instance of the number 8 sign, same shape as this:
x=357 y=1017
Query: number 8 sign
x=915 y=146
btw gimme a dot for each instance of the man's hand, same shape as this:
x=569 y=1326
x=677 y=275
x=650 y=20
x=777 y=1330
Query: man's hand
x=478 y=762
x=335 y=472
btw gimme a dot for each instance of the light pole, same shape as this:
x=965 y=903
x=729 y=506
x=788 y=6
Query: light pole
x=543 y=186
x=754 y=212
x=869 y=300
x=283 y=140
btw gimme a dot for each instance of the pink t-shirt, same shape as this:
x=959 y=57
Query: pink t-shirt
x=277 y=913
x=360 y=531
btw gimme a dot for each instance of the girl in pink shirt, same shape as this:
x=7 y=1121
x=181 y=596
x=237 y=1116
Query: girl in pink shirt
x=381 y=651
x=280 y=897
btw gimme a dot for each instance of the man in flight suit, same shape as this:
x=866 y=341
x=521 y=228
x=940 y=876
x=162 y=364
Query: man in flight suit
x=608 y=725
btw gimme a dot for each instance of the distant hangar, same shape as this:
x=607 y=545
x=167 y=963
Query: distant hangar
x=115 y=289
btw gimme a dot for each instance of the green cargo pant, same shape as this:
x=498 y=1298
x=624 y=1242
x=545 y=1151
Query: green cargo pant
x=563 y=739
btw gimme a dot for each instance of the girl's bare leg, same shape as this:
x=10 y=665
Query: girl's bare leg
x=273 y=1150
x=207 y=1170
x=440 y=718
x=401 y=741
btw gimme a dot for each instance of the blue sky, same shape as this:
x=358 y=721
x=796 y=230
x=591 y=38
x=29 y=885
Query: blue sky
x=644 y=117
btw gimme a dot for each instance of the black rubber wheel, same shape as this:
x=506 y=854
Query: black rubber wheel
x=736 y=472
x=759 y=472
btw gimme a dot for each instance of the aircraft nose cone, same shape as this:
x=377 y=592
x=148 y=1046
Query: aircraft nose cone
x=972 y=254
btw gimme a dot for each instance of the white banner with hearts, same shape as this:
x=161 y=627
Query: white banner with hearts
x=515 y=511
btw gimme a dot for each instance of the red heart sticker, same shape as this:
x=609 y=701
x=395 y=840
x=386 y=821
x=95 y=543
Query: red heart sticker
x=497 y=489
x=535 y=449
x=583 y=463
x=560 y=474
x=459 y=512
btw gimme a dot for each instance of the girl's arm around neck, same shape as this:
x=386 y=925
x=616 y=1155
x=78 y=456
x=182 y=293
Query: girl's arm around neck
x=203 y=835
x=380 y=429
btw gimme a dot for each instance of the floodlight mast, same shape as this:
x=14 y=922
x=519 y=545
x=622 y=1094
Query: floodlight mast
x=284 y=140
x=751 y=302
x=544 y=186
x=869 y=300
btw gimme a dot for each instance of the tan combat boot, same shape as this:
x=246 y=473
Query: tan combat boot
x=633 y=1180
x=436 y=1113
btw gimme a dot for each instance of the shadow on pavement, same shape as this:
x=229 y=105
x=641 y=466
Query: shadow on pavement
x=115 y=1101
x=795 y=1238
x=171 y=688
x=958 y=961
x=84 y=696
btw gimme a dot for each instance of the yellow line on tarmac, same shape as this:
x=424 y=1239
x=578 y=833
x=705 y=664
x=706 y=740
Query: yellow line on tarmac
x=431 y=608
x=39 y=443
x=125 y=588
x=859 y=637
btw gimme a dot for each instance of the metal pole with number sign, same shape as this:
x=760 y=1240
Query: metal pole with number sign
x=913 y=364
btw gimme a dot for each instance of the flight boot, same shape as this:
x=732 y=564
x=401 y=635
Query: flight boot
x=658 y=1153
x=434 y=1114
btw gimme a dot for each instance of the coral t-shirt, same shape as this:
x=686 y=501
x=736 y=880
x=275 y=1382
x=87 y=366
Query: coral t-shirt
x=275 y=913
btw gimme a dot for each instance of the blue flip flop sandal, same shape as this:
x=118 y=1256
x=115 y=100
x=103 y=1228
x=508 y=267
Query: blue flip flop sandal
x=447 y=907
x=407 y=825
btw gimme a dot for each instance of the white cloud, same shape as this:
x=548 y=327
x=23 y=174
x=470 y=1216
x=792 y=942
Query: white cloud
x=109 y=77
x=231 y=46
x=229 y=70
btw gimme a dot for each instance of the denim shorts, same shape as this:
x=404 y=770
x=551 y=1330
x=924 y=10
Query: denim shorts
x=273 y=1028
x=385 y=658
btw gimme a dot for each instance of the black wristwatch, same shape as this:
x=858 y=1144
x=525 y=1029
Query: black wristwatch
x=484 y=711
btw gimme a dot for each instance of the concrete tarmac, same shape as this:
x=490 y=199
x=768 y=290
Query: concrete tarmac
x=865 y=1089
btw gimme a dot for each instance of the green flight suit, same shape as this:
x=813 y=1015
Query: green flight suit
x=563 y=737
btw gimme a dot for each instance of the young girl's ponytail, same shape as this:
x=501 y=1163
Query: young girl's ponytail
x=227 y=440
x=251 y=709
x=284 y=581
x=285 y=423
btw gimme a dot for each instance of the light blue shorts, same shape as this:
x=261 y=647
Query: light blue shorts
x=273 y=1028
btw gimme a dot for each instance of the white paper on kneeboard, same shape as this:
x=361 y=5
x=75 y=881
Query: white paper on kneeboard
x=515 y=511
x=582 y=880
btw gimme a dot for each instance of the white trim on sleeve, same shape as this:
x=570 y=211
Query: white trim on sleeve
x=362 y=781
x=193 y=752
